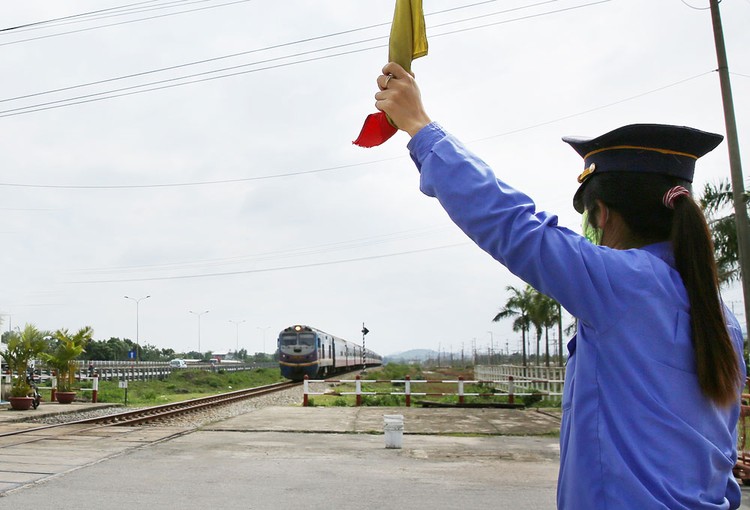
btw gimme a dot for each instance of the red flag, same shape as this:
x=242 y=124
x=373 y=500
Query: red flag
x=376 y=130
x=408 y=41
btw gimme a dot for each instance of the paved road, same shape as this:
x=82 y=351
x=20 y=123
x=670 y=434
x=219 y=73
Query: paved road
x=274 y=458
x=264 y=470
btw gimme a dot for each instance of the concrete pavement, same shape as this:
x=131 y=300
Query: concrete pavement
x=326 y=458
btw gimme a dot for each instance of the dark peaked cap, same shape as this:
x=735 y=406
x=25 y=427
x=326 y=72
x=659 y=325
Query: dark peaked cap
x=648 y=148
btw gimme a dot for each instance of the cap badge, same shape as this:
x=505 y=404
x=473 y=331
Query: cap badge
x=585 y=174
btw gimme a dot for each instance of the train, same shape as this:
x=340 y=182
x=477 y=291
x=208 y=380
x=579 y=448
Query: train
x=306 y=351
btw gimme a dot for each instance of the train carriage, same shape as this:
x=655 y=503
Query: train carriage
x=304 y=350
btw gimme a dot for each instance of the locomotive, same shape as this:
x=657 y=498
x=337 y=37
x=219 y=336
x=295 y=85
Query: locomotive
x=306 y=351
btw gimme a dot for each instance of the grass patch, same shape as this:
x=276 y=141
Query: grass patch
x=398 y=372
x=184 y=385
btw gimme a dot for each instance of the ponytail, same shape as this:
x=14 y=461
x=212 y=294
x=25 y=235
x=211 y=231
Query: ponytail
x=715 y=356
x=655 y=216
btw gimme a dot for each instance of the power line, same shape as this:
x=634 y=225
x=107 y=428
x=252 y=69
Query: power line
x=342 y=167
x=364 y=242
x=73 y=16
x=268 y=48
x=694 y=7
x=197 y=183
x=122 y=23
x=273 y=269
x=600 y=107
x=127 y=91
x=123 y=10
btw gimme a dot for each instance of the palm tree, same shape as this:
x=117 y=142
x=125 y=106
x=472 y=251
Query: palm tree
x=64 y=353
x=518 y=306
x=22 y=347
x=560 y=335
x=536 y=321
x=714 y=201
x=545 y=314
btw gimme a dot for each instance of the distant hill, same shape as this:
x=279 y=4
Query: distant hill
x=412 y=355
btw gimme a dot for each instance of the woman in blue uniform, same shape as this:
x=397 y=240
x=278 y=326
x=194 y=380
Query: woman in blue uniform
x=654 y=373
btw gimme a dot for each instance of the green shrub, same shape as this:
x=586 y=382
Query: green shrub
x=383 y=400
x=530 y=400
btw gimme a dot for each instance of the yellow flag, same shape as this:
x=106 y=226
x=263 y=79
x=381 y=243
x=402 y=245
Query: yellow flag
x=408 y=41
x=408 y=34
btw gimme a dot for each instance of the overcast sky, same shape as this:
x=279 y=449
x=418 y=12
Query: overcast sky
x=244 y=196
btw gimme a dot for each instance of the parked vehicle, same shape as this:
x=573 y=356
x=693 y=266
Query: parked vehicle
x=178 y=363
x=34 y=393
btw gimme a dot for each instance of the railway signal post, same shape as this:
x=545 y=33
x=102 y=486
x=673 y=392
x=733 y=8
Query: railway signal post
x=364 y=355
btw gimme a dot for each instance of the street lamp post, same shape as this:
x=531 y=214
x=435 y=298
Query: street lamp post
x=199 y=327
x=264 y=328
x=10 y=320
x=137 y=325
x=492 y=346
x=237 y=324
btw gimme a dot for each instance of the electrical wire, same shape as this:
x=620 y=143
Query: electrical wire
x=269 y=48
x=695 y=8
x=122 y=23
x=110 y=94
x=131 y=90
x=197 y=183
x=597 y=108
x=73 y=16
x=273 y=269
x=342 y=167
x=92 y=16
x=364 y=242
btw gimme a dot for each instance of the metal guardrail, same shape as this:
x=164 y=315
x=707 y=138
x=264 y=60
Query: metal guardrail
x=137 y=371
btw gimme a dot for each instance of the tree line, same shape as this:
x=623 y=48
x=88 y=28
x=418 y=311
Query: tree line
x=119 y=349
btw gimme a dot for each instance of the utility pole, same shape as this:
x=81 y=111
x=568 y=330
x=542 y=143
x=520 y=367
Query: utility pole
x=735 y=164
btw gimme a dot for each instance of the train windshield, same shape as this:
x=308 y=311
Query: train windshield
x=307 y=339
x=287 y=340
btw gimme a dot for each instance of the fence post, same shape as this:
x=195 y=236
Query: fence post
x=407 y=390
x=511 y=398
x=53 y=392
x=95 y=391
x=358 y=390
x=461 y=389
x=306 y=386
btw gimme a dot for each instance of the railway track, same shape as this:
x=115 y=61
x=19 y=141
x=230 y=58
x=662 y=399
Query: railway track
x=32 y=454
x=157 y=413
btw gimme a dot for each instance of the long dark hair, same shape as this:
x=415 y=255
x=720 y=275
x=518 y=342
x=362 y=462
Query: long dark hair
x=637 y=197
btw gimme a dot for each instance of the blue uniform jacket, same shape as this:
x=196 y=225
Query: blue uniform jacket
x=637 y=433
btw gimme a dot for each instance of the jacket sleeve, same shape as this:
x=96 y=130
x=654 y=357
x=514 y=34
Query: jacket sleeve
x=504 y=222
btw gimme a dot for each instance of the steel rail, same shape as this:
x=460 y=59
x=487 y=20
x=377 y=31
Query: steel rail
x=155 y=413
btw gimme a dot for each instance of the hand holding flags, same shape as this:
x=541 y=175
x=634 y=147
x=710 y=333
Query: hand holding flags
x=408 y=41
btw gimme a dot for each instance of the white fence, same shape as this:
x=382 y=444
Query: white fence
x=547 y=381
x=505 y=380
